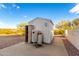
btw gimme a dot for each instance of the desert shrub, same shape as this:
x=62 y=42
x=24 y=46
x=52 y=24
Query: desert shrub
x=59 y=32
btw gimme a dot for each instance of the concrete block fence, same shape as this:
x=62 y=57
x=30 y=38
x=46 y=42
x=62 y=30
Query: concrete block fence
x=72 y=41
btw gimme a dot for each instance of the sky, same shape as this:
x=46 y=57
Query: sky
x=12 y=14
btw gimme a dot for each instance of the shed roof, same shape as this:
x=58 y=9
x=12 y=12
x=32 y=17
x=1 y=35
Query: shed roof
x=42 y=19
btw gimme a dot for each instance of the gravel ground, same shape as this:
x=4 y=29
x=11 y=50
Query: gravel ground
x=6 y=41
x=71 y=49
x=57 y=48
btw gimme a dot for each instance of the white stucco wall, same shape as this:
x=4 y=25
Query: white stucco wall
x=40 y=25
x=73 y=37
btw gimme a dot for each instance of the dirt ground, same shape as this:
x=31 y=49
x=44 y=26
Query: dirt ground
x=57 y=48
x=6 y=41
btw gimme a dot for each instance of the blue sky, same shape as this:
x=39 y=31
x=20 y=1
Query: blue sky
x=12 y=14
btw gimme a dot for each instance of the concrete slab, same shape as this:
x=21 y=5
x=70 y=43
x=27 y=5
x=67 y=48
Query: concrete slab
x=25 y=49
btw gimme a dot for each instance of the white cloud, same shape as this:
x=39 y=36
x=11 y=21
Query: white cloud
x=18 y=7
x=15 y=6
x=75 y=9
x=2 y=6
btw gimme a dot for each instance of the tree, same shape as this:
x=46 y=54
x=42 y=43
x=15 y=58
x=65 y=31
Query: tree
x=64 y=25
x=76 y=21
x=20 y=28
x=21 y=25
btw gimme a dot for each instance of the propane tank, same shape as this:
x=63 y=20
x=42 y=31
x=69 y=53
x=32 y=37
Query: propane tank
x=40 y=38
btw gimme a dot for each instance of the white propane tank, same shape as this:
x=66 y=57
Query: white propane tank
x=40 y=38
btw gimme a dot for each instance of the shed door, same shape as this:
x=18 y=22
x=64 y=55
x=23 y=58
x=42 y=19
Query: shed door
x=26 y=33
